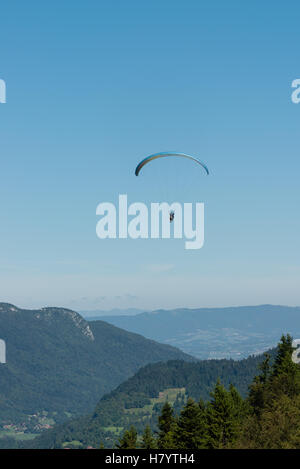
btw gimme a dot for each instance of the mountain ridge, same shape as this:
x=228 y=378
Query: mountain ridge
x=58 y=362
x=231 y=332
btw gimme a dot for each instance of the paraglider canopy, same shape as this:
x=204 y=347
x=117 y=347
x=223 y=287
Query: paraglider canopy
x=166 y=154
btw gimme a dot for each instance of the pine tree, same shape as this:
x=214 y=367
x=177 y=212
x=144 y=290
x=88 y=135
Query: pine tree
x=148 y=440
x=285 y=376
x=191 y=431
x=129 y=439
x=168 y=440
x=166 y=425
x=239 y=405
x=284 y=354
x=265 y=368
x=221 y=419
x=258 y=389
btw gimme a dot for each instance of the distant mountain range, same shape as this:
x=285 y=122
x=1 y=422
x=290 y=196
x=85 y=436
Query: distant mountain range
x=94 y=314
x=59 y=365
x=235 y=332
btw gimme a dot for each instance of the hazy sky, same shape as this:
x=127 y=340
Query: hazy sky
x=95 y=86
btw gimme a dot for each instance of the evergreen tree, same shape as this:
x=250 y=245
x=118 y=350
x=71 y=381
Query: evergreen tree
x=166 y=425
x=221 y=419
x=129 y=439
x=257 y=390
x=191 y=431
x=285 y=377
x=148 y=440
x=240 y=408
x=283 y=357
x=168 y=440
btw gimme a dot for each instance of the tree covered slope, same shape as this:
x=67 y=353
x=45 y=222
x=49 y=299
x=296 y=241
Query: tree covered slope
x=139 y=400
x=59 y=363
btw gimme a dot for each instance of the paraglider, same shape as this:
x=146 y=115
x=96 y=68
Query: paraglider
x=172 y=215
x=166 y=154
x=155 y=156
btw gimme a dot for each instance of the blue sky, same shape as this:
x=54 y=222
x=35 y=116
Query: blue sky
x=95 y=86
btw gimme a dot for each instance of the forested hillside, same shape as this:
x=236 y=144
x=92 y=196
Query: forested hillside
x=268 y=418
x=139 y=400
x=58 y=363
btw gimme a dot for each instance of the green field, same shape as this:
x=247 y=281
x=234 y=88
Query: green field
x=17 y=435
